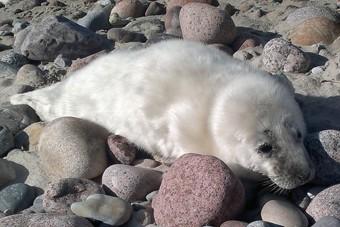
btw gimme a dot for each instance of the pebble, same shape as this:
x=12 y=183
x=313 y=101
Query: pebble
x=206 y=23
x=59 y=196
x=146 y=163
x=28 y=168
x=283 y=213
x=245 y=41
x=141 y=218
x=14 y=59
x=325 y=156
x=198 y=190
x=40 y=220
x=148 y=26
x=234 y=224
x=327 y=221
x=17 y=117
x=13 y=89
x=30 y=75
x=16 y=197
x=18 y=26
x=79 y=41
x=123 y=36
x=302 y=196
x=7 y=71
x=110 y=210
x=262 y=224
x=116 y=21
x=317 y=70
x=7 y=171
x=97 y=18
x=129 y=8
x=171 y=21
x=80 y=63
x=155 y=8
x=131 y=183
x=28 y=138
x=326 y=203
x=181 y=3
x=280 y=55
x=73 y=148
x=6 y=140
x=122 y=149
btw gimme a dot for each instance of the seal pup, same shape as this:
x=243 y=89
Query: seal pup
x=179 y=97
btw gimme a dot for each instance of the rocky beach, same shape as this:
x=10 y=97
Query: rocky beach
x=74 y=173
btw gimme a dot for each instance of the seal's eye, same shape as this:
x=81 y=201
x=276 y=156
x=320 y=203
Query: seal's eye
x=265 y=148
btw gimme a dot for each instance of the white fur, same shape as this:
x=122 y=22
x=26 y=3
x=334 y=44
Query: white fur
x=178 y=97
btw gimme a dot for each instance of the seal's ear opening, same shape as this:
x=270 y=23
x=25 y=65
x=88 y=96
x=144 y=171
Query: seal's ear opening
x=284 y=81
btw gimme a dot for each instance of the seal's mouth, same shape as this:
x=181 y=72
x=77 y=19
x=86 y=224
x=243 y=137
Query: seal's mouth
x=291 y=182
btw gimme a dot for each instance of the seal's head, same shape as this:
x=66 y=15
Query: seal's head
x=259 y=118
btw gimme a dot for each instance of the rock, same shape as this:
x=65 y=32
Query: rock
x=261 y=224
x=326 y=203
x=117 y=22
x=17 y=117
x=7 y=172
x=302 y=196
x=122 y=149
x=58 y=35
x=14 y=59
x=28 y=168
x=155 y=8
x=16 y=197
x=283 y=213
x=149 y=197
x=73 y=148
x=181 y=3
x=234 y=224
x=110 y=210
x=206 y=23
x=317 y=70
x=28 y=138
x=147 y=25
x=20 y=25
x=7 y=71
x=146 y=163
x=171 y=21
x=200 y=181
x=244 y=41
x=30 y=75
x=80 y=63
x=59 y=196
x=97 y=18
x=327 y=221
x=131 y=183
x=280 y=55
x=6 y=140
x=325 y=156
x=40 y=220
x=123 y=36
x=158 y=37
x=129 y=8
x=37 y=206
x=141 y=218
x=13 y=89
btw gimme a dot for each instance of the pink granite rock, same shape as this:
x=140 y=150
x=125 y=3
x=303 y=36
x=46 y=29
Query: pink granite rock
x=206 y=23
x=129 y=8
x=326 y=203
x=131 y=183
x=122 y=149
x=198 y=190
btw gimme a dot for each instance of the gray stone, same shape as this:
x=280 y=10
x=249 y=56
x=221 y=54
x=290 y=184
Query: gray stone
x=141 y=218
x=43 y=220
x=20 y=25
x=30 y=75
x=147 y=25
x=124 y=36
x=16 y=197
x=13 y=89
x=58 y=35
x=17 y=117
x=7 y=71
x=97 y=18
x=14 y=59
x=155 y=8
x=6 y=140
x=327 y=221
x=7 y=171
x=261 y=224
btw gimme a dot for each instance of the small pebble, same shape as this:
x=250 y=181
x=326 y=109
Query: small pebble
x=317 y=70
x=28 y=138
x=129 y=8
x=30 y=75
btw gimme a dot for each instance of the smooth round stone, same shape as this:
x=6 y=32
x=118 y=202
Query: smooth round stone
x=173 y=3
x=16 y=197
x=12 y=58
x=40 y=220
x=30 y=75
x=131 y=183
x=206 y=23
x=197 y=190
x=28 y=138
x=146 y=163
x=155 y=8
x=302 y=14
x=151 y=196
x=171 y=21
x=6 y=140
x=123 y=36
x=330 y=140
x=122 y=149
x=59 y=196
x=110 y=210
x=148 y=26
x=283 y=213
x=326 y=203
x=73 y=148
x=117 y=22
x=7 y=172
x=234 y=224
x=262 y=224
x=327 y=221
x=317 y=70
x=97 y=18
x=280 y=55
x=129 y=8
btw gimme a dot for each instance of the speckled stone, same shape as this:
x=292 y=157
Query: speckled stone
x=327 y=221
x=131 y=183
x=73 y=148
x=43 y=220
x=201 y=182
x=110 y=210
x=206 y=23
x=129 y=8
x=326 y=203
x=280 y=55
x=59 y=196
